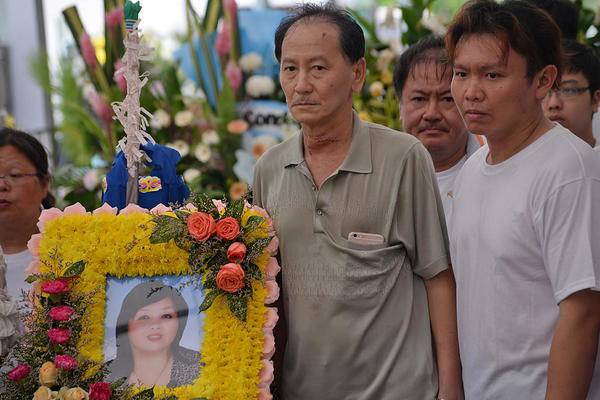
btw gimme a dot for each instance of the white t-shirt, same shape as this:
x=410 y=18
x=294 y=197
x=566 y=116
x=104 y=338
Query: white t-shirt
x=524 y=236
x=15 y=273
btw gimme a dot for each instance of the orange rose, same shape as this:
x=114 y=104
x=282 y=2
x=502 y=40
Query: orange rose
x=230 y=278
x=228 y=228
x=201 y=226
x=236 y=252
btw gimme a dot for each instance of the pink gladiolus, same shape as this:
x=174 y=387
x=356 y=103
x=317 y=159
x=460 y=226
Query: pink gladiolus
x=19 y=372
x=113 y=19
x=234 y=74
x=101 y=108
x=59 y=336
x=231 y=7
x=119 y=76
x=223 y=41
x=61 y=313
x=65 y=363
x=87 y=50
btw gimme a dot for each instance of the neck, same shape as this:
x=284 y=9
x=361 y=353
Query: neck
x=151 y=368
x=588 y=137
x=444 y=161
x=14 y=238
x=505 y=145
x=330 y=138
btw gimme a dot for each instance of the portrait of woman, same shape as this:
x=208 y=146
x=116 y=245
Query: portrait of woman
x=149 y=327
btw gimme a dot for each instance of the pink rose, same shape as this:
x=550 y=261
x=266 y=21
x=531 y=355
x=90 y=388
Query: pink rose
x=272 y=268
x=59 y=336
x=234 y=74
x=160 y=209
x=75 y=209
x=33 y=244
x=19 y=372
x=264 y=394
x=48 y=215
x=228 y=228
x=201 y=226
x=100 y=391
x=61 y=313
x=268 y=346
x=55 y=287
x=272 y=292
x=66 y=363
x=236 y=252
x=272 y=318
x=266 y=374
x=230 y=278
x=119 y=76
x=272 y=247
x=105 y=209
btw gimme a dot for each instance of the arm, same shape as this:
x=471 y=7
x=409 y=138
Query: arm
x=574 y=347
x=441 y=296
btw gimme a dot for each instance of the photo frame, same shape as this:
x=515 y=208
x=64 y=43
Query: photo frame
x=234 y=360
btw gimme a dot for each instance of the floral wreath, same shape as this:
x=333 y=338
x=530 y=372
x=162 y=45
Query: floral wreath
x=229 y=247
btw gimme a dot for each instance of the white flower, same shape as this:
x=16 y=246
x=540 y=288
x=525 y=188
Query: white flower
x=250 y=62
x=376 y=89
x=91 y=179
x=435 y=23
x=384 y=58
x=259 y=85
x=184 y=118
x=190 y=174
x=210 y=137
x=202 y=152
x=181 y=146
x=161 y=119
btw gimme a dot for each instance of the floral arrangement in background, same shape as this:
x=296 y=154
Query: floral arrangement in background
x=49 y=363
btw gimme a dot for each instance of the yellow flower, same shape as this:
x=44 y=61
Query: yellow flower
x=48 y=374
x=365 y=116
x=387 y=77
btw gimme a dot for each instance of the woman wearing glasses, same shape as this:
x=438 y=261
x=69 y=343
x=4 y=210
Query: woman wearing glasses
x=24 y=191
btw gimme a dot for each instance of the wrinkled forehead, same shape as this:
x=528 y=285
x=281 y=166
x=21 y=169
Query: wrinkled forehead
x=314 y=22
x=432 y=65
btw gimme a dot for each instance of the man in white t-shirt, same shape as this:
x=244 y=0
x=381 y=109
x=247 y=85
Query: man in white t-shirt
x=577 y=98
x=422 y=79
x=526 y=222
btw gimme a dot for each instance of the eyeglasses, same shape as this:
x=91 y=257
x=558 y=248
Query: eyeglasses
x=566 y=93
x=17 y=179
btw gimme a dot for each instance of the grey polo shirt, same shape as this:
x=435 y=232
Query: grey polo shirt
x=357 y=315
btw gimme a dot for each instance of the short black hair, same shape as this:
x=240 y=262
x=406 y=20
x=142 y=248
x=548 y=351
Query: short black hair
x=352 y=38
x=429 y=49
x=517 y=24
x=31 y=148
x=564 y=13
x=580 y=58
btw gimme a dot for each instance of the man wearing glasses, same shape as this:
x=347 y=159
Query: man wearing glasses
x=576 y=100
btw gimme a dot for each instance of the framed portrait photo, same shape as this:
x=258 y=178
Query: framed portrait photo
x=144 y=321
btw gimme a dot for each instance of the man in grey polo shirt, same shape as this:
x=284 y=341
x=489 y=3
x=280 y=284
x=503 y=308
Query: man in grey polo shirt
x=363 y=244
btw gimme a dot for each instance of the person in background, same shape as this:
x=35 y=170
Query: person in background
x=564 y=13
x=525 y=227
x=422 y=80
x=24 y=181
x=576 y=99
x=11 y=327
x=368 y=295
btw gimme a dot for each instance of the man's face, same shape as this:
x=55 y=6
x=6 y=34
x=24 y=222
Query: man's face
x=493 y=93
x=574 y=113
x=428 y=112
x=317 y=78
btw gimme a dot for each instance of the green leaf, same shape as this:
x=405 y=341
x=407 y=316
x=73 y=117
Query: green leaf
x=253 y=270
x=166 y=228
x=208 y=300
x=75 y=268
x=238 y=306
x=204 y=204
x=253 y=223
x=32 y=278
x=118 y=383
x=234 y=209
x=258 y=245
x=182 y=215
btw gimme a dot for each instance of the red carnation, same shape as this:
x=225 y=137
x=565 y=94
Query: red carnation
x=19 y=372
x=100 y=391
x=228 y=228
x=59 y=336
x=55 y=287
x=61 y=313
x=66 y=363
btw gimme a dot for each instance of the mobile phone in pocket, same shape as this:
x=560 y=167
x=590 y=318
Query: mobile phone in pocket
x=365 y=238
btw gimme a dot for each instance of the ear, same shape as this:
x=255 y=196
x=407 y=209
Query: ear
x=544 y=80
x=596 y=100
x=359 y=72
x=44 y=183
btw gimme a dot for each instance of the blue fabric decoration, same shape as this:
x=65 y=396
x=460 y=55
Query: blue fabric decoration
x=164 y=161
